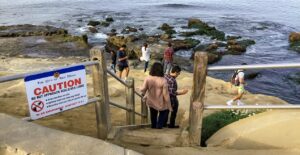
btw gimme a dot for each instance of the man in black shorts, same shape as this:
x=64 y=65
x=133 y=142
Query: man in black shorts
x=122 y=62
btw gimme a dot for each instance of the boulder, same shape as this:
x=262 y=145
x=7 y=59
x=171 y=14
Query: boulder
x=93 y=23
x=109 y=19
x=204 y=29
x=294 y=40
x=128 y=29
x=104 y=23
x=93 y=30
x=184 y=44
x=294 y=37
x=168 y=29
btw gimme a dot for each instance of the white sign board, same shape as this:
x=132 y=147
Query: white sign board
x=56 y=91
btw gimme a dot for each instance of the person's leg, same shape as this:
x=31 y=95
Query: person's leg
x=169 y=67
x=153 y=116
x=174 y=103
x=167 y=118
x=146 y=66
x=126 y=71
x=114 y=68
x=121 y=68
x=165 y=66
x=161 y=119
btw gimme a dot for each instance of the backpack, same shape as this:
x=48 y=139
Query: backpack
x=233 y=78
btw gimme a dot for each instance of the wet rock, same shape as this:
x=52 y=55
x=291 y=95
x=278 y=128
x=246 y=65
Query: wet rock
x=93 y=30
x=250 y=74
x=93 y=23
x=168 y=29
x=30 y=30
x=165 y=37
x=104 y=23
x=294 y=39
x=205 y=29
x=113 y=30
x=141 y=29
x=295 y=77
x=184 y=44
x=128 y=29
x=212 y=57
x=133 y=47
x=238 y=47
x=109 y=19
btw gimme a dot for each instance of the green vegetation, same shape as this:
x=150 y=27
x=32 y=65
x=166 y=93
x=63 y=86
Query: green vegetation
x=212 y=123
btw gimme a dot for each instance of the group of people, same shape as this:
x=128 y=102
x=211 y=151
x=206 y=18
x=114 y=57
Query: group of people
x=160 y=94
x=120 y=59
x=160 y=89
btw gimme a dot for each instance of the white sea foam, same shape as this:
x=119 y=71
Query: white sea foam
x=101 y=36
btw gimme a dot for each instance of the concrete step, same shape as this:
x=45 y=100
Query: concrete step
x=151 y=137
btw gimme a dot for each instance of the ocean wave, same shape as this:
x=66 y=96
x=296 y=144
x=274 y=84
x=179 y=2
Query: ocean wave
x=178 y=5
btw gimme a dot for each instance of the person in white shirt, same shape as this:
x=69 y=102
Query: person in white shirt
x=145 y=55
x=240 y=79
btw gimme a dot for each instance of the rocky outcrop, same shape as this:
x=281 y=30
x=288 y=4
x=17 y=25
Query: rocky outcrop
x=203 y=29
x=40 y=41
x=294 y=39
x=167 y=29
x=30 y=30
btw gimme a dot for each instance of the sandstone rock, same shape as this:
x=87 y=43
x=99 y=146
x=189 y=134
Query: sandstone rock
x=30 y=30
x=294 y=37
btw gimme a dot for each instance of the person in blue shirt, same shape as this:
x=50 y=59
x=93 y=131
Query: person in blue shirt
x=122 y=62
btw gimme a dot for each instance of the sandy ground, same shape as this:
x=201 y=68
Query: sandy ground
x=82 y=120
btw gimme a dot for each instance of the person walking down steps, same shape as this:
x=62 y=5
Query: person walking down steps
x=156 y=95
x=173 y=92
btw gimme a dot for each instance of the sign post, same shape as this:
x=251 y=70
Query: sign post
x=52 y=92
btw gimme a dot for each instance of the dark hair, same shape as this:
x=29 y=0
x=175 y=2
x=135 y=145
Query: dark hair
x=124 y=46
x=169 y=44
x=244 y=63
x=157 y=70
x=145 y=45
x=176 y=69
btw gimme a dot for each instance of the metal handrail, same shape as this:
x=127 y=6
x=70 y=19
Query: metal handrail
x=257 y=66
x=215 y=107
x=21 y=76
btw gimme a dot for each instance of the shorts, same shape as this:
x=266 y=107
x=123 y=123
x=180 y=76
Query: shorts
x=241 y=89
x=122 y=67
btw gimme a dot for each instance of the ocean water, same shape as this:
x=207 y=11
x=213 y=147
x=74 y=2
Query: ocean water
x=268 y=22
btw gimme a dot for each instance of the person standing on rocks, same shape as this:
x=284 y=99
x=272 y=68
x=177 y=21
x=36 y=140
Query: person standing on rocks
x=239 y=81
x=122 y=62
x=156 y=95
x=145 y=56
x=173 y=92
x=168 y=58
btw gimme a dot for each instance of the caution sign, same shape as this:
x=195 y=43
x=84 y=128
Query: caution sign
x=51 y=92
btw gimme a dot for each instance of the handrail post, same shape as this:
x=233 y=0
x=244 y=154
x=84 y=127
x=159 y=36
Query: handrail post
x=101 y=90
x=144 y=111
x=197 y=97
x=130 y=101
